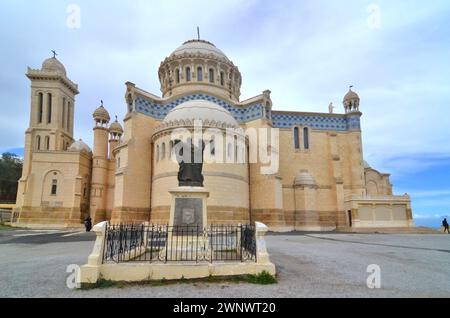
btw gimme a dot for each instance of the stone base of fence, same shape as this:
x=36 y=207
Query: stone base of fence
x=141 y=272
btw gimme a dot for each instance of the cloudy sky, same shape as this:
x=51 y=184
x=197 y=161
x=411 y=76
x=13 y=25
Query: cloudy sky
x=395 y=52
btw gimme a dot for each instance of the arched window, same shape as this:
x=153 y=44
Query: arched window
x=236 y=149
x=38 y=143
x=163 y=151
x=63 y=112
x=212 y=145
x=306 y=138
x=171 y=149
x=296 y=138
x=211 y=75
x=157 y=153
x=177 y=76
x=222 y=78
x=49 y=110
x=230 y=150
x=47 y=142
x=54 y=189
x=40 y=107
x=68 y=115
x=199 y=73
x=188 y=74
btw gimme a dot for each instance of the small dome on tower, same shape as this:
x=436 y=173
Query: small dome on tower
x=351 y=95
x=304 y=178
x=116 y=128
x=351 y=101
x=79 y=146
x=101 y=114
x=53 y=65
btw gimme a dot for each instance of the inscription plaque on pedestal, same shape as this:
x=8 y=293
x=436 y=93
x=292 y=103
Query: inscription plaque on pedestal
x=188 y=212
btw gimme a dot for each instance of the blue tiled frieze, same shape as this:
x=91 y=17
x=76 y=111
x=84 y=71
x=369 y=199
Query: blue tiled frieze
x=253 y=112
x=318 y=122
x=160 y=111
x=354 y=122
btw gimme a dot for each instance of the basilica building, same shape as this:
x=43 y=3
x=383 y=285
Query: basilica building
x=322 y=182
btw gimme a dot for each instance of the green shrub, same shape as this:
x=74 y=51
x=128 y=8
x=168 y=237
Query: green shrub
x=263 y=278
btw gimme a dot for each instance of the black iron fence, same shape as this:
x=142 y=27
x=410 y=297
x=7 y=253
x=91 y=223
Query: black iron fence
x=162 y=243
x=5 y=215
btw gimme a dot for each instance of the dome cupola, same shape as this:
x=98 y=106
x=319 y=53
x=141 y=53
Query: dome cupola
x=351 y=101
x=199 y=46
x=116 y=130
x=101 y=116
x=53 y=65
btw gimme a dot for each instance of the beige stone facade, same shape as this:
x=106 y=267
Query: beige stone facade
x=322 y=181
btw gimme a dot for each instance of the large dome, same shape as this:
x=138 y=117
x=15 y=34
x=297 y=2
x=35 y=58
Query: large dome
x=53 y=65
x=201 y=110
x=199 y=46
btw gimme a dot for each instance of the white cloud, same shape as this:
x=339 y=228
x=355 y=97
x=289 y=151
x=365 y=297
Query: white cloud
x=306 y=52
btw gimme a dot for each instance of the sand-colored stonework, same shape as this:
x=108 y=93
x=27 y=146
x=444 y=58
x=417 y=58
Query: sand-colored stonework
x=322 y=183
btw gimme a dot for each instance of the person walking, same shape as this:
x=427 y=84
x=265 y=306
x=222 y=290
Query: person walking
x=88 y=224
x=445 y=225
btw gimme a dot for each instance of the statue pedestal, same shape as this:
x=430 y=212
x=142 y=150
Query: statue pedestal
x=188 y=207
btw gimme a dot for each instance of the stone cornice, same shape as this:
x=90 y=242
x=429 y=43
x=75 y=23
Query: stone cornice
x=52 y=76
x=167 y=127
x=293 y=113
x=193 y=56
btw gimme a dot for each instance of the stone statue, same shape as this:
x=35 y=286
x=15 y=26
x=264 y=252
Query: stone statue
x=331 y=108
x=190 y=172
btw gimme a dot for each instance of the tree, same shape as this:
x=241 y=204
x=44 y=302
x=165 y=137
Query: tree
x=10 y=172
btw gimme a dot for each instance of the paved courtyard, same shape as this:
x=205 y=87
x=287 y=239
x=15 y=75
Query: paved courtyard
x=33 y=264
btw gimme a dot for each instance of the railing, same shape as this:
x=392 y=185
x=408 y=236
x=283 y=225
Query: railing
x=162 y=243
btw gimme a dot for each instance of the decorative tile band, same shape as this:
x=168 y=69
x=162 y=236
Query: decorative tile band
x=314 y=121
x=160 y=111
x=254 y=112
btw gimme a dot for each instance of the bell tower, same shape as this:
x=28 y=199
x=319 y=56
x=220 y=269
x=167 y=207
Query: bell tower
x=51 y=114
x=52 y=107
x=52 y=110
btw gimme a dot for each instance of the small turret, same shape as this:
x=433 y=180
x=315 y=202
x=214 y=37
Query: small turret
x=351 y=101
x=99 y=165
x=115 y=130
x=101 y=116
x=101 y=131
x=115 y=135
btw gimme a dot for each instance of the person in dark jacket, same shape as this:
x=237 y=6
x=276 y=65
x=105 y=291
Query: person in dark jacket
x=445 y=225
x=88 y=224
